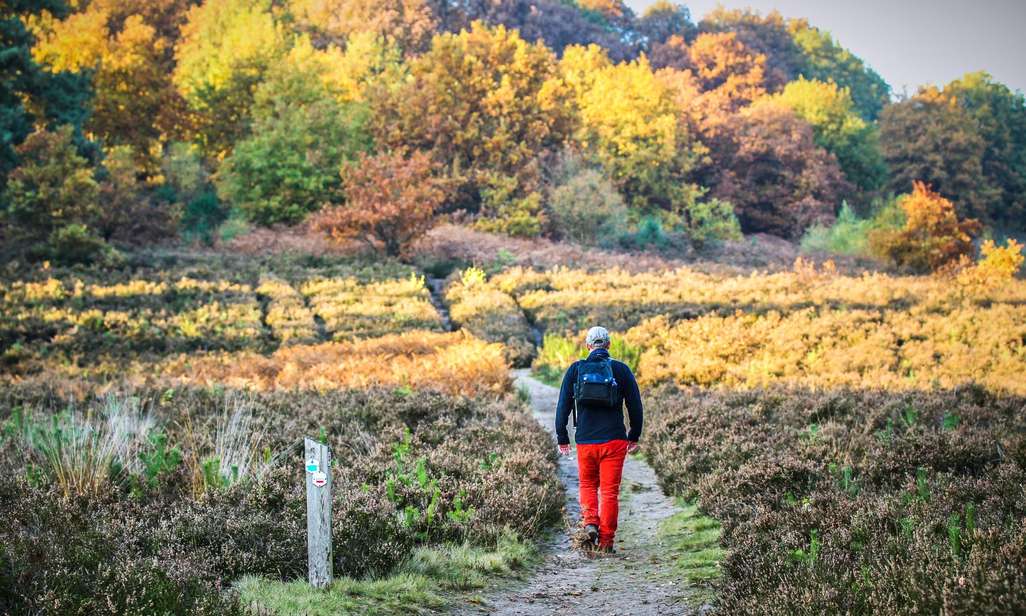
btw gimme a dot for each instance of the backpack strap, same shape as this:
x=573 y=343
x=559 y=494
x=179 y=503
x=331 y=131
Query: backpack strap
x=577 y=365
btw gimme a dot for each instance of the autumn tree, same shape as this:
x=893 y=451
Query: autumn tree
x=1000 y=116
x=664 y=19
x=407 y=24
x=127 y=47
x=224 y=52
x=727 y=68
x=827 y=61
x=932 y=236
x=302 y=134
x=482 y=103
x=557 y=24
x=52 y=199
x=713 y=77
x=932 y=138
x=629 y=125
x=770 y=168
x=30 y=93
x=391 y=200
x=837 y=128
x=767 y=35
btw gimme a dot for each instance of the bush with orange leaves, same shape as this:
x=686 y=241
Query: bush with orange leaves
x=390 y=201
x=932 y=237
x=998 y=266
x=452 y=363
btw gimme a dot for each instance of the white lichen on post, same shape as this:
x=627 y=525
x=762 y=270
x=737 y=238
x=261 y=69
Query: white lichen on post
x=318 y=514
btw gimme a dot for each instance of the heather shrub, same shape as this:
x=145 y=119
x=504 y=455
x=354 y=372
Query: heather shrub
x=479 y=307
x=412 y=468
x=852 y=501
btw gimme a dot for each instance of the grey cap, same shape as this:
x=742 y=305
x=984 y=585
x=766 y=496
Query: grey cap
x=596 y=335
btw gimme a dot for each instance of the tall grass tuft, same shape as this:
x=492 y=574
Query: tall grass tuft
x=236 y=445
x=84 y=455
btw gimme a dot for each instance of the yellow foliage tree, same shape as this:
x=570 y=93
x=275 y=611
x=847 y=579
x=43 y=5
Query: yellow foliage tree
x=226 y=49
x=128 y=47
x=629 y=123
x=997 y=266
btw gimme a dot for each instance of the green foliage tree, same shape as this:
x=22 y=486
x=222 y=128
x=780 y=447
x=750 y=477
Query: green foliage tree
x=225 y=51
x=827 y=61
x=1000 y=116
x=301 y=136
x=30 y=93
x=838 y=129
x=187 y=184
x=663 y=19
x=483 y=103
x=52 y=199
x=585 y=207
x=711 y=221
x=849 y=235
x=932 y=138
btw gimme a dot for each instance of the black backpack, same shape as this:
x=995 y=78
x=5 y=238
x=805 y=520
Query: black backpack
x=595 y=385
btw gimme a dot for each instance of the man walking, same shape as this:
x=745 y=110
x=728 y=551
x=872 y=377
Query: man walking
x=594 y=391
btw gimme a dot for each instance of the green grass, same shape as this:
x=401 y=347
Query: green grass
x=553 y=377
x=429 y=580
x=558 y=352
x=693 y=542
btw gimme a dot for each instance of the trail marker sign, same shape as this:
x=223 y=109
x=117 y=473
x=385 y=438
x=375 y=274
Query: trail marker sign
x=318 y=513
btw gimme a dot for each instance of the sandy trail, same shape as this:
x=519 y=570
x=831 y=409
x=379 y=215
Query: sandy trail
x=636 y=581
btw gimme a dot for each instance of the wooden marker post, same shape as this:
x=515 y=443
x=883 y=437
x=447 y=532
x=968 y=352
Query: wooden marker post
x=318 y=513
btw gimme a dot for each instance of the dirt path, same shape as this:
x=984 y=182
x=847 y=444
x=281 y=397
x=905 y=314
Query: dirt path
x=636 y=581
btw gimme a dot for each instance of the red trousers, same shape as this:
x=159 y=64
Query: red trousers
x=599 y=467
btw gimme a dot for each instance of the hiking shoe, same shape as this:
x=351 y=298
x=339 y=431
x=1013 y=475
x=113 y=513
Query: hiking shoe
x=592 y=532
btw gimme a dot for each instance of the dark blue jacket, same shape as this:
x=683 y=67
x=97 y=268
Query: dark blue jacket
x=600 y=424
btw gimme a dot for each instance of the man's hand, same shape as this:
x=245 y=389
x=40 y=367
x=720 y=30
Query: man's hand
x=564 y=450
x=633 y=447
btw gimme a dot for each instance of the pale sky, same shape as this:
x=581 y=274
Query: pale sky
x=910 y=42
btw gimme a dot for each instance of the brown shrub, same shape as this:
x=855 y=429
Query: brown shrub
x=390 y=201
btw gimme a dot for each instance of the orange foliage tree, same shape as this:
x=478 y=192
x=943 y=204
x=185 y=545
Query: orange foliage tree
x=932 y=237
x=390 y=201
